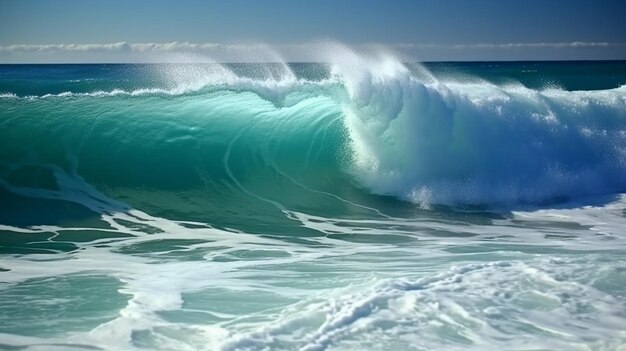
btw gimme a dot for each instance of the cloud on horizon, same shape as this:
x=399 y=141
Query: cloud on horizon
x=148 y=52
x=112 y=47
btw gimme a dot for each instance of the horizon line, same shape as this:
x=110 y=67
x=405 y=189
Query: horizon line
x=301 y=62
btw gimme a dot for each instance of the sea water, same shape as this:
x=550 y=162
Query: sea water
x=362 y=203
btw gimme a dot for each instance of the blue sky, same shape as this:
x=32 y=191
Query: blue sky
x=120 y=31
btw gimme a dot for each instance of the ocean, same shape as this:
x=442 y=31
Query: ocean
x=360 y=204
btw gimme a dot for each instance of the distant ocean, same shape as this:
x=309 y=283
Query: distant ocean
x=361 y=204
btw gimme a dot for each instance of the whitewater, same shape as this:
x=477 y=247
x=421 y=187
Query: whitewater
x=358 y=203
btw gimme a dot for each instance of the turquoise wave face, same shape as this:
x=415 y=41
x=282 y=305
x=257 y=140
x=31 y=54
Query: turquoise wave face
x=193 y=157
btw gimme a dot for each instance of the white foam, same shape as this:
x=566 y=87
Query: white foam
x=420 y=298
x=469 y=307
x=456 y=143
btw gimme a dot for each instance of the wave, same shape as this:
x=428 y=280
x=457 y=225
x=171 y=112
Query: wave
x=370 y=122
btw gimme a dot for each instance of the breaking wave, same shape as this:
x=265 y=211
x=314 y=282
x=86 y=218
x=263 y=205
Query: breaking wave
x=365 y=122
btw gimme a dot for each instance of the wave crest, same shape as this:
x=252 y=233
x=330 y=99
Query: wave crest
x=446 y=142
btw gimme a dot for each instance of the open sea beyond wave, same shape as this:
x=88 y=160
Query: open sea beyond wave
x=359 y=204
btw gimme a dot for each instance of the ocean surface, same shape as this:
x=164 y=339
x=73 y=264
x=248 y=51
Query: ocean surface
x=359 y=204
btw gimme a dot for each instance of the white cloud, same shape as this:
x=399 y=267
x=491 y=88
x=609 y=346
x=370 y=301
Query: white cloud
x=252 y=52
x=137 y=52
x=207 y=47
x=112 y=47
x=562 y=45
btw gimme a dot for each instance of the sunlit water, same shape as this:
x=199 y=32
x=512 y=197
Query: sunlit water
x=360 y=204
